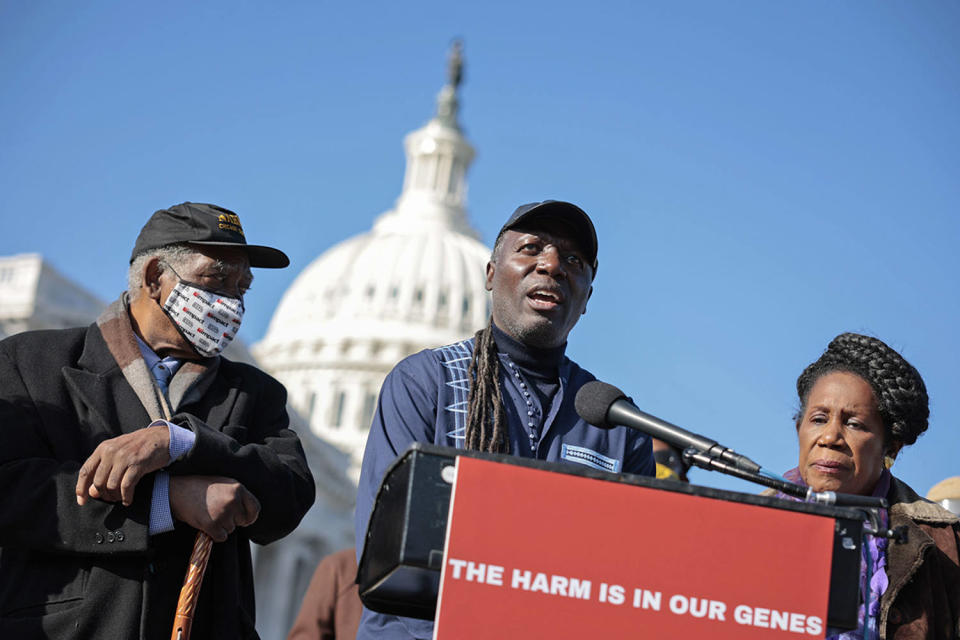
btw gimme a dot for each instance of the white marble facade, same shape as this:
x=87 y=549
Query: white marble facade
x=34 y=295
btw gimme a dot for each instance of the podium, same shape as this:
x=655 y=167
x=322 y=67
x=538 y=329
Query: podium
x=567 y=545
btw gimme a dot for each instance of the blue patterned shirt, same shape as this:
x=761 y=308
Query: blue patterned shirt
x=424 y=399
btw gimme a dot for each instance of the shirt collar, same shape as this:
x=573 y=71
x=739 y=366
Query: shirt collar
x=152 y=360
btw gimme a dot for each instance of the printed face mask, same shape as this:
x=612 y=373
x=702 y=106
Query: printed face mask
x=208 y=320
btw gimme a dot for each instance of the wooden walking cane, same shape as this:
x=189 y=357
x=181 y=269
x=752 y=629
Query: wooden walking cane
x=190 y=592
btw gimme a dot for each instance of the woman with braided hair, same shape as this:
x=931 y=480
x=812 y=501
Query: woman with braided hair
x=860 y=403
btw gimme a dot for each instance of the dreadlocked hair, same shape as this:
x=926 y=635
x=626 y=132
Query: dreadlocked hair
x=897 y=386
x=486 y=419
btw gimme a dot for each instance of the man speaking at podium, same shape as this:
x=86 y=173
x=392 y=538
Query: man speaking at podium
x=510 y=388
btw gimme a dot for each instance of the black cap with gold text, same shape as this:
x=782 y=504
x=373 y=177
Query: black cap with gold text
x=203 y=224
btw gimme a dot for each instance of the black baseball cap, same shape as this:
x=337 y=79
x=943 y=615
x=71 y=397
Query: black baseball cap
x=559 y=210
x=203 y=224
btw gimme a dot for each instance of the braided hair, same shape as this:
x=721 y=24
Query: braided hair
x=897 y=386
x=486 y=428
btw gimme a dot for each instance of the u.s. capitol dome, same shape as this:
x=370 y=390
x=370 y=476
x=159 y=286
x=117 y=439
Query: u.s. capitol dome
x=414 y=281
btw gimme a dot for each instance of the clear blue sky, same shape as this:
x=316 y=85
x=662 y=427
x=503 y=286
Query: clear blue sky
x=763 y=175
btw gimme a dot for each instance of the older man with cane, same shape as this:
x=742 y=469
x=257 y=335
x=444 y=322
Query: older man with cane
x=120 y=440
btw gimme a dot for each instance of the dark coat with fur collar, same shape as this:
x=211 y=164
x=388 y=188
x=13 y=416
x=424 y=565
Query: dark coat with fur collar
x=923 y=596
x=93 y=571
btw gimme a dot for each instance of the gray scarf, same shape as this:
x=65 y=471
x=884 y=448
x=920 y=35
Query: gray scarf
x=190 y=382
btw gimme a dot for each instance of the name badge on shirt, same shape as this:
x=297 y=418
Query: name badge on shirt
x=590 y=458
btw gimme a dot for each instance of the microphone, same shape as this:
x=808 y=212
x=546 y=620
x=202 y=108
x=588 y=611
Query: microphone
x=605 y=406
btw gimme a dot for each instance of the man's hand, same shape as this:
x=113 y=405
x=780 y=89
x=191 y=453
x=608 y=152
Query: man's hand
x=212 y=504
x=115 y=467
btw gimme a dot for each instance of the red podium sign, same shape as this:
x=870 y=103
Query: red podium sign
x=537 y=554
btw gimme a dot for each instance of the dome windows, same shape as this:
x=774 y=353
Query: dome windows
x=414 y=281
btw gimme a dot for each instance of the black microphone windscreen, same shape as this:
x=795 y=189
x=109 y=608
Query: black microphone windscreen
x=593 y=402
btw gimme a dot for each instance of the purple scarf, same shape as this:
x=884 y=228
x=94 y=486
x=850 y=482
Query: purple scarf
x=874 y=552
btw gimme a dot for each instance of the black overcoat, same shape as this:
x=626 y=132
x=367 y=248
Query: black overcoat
x=68 y=571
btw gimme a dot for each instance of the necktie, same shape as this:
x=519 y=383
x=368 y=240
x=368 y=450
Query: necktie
x=162 y=374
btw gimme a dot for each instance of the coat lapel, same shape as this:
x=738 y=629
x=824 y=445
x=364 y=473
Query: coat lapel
x=120 y=341
x=214 y=394
x=903 y=559
x=101 y=395
x=192 y=381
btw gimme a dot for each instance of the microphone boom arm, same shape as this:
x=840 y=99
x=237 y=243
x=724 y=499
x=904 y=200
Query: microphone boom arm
x=701 y=459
